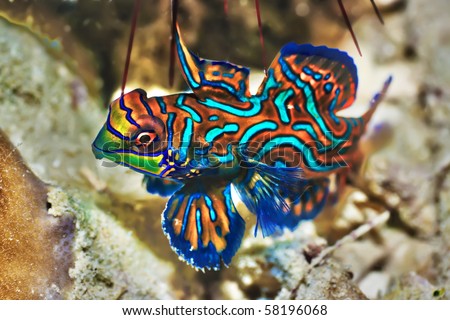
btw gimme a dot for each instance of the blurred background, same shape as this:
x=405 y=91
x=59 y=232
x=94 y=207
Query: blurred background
x=72 y=227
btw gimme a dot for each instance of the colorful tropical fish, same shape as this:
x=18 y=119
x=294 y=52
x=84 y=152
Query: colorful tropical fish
x=277 y=148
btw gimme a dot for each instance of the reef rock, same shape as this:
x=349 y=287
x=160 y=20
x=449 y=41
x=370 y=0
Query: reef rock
x=56 y=244
x=282 y=269
x=29 y=267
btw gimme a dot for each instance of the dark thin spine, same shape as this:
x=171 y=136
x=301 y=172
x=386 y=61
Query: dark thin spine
x=349 y=26
x=174 y=10
x=261 y=37
x=380 y=17
x=225 y=7
x=137 y=4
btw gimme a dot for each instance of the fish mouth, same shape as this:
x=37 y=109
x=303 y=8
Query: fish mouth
x=104 y=145
x=101 y=153
x=98 y=153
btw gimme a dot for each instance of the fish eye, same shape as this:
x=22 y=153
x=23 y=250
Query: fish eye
x=144 y=139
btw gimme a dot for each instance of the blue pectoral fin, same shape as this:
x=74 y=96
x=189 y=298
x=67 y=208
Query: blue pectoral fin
x=203 y=225
x=307 y=204
x=264 y=189
x=162 y=187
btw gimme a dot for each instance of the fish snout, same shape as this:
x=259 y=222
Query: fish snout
x=98 y=153
x=105 y=144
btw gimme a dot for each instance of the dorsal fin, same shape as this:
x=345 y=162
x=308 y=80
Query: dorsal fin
x=328 y=74
x=209 y=78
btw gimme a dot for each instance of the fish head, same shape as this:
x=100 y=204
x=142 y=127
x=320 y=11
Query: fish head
x=133 y=135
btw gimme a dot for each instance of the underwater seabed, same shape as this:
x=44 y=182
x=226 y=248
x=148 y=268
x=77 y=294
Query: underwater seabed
x=72 y=227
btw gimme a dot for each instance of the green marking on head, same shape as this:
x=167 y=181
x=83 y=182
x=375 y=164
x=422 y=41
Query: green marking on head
x=132 y=136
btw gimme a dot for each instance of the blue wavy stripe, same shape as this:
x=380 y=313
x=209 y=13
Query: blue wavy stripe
x=280 y=102
x=257 y=128
x=198 y=218
x=186 y=138
x=170 y=129
x=128 y=113
x=180 y=104
x=162 y=105
x=308 y=156
x=212 y=213
x=216 y=132
x=147 y=107
x=112 y=130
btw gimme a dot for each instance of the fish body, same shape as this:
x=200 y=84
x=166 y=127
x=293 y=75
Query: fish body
x=277 y=147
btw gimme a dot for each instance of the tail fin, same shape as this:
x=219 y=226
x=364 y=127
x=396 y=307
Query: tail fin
x=376 y=100
x=358 y=125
